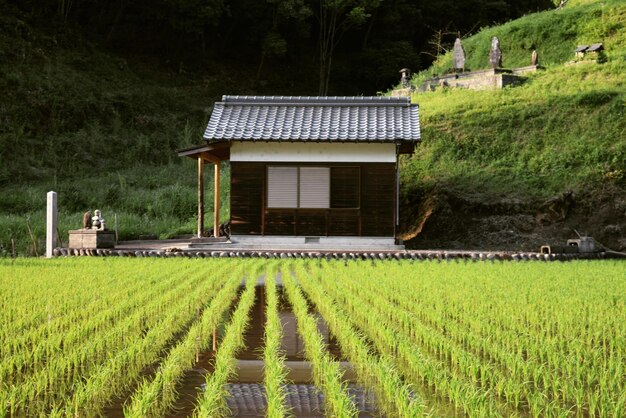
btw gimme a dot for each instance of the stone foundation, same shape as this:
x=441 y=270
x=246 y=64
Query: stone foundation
x=478 y=80
x=91 y=239
x=415 y=255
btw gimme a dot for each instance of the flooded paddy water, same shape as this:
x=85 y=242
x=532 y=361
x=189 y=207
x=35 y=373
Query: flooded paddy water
x=436 y=338
x=247 y=393
x=246 y=389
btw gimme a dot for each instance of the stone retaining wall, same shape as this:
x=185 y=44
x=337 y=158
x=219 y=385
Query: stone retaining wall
x=333 y=255
x=475 y=80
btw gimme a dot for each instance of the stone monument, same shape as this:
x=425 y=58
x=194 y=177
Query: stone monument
x=405 y=80
x=51 y=223
x=495 y=54
x=405 y=84
x=459 y=56
x=87 y=220
x=94 y=233
x=534 y=58
x=97 y=221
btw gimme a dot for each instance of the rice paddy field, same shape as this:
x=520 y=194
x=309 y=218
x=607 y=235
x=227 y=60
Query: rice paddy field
x=120 y=337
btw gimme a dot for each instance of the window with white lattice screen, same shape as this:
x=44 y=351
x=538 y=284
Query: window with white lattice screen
x=298 y=187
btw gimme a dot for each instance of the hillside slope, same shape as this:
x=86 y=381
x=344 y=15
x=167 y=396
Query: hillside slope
x=495 y=167
x=101 y=130
x=98 y=128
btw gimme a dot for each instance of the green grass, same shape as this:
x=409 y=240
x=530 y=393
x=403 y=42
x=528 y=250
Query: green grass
x=563 y=129
x=102 y=130
x=149 y=201
x=553 y=33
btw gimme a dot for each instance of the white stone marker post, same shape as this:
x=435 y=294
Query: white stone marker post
x=51 y=224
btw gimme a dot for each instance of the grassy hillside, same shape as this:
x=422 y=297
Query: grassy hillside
x=68 y=107
x=564 y=129
x=553 y=33
x=100 y=129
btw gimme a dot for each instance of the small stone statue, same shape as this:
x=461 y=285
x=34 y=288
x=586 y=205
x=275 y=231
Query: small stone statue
x=459 y=55
x=97 y=221
x=406 y=78
x=534 y=59
x=87 y=220
x=495 y=54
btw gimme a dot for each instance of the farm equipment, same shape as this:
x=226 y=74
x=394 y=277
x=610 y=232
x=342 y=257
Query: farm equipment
x=582 y=244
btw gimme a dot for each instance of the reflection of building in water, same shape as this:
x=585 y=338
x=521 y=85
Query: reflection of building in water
x=292 y=342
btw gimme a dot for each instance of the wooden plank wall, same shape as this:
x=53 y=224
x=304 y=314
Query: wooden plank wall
x=247 y=189
x=374 y=217
x=378 y=185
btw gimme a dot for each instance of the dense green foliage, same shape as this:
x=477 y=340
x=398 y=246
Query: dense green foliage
x=101 y=127
x=563 y=129
x=148 y=202
x=270 y=35
x=69 y=105
x=448 y=339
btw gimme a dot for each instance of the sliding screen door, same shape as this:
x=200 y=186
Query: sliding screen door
x=282 y=187
x=314 y=187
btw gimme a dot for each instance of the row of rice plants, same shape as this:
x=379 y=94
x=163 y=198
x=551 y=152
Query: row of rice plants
x=26 y=358
x=213 y=402
x=462 y=352
x=377 y=372
x=392 y=333
x=125 y=367
x=457 y=317
x=327 y=374
x=42 y=294
x=274 y=359
x=69 y=329
x=56 y=377
x=156 y=397
x=557 y=358
x=84 y=372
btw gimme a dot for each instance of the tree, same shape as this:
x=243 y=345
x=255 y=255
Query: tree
x=191 y=16
x=64 y=8
x=283 y=11
x=335 y=18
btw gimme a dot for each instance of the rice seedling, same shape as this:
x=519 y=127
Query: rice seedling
x=525 y=339
x=274 y=370
x=326 y=372
x=213 y=402
x=473 y=339
x=378 y=372
x=155 y=398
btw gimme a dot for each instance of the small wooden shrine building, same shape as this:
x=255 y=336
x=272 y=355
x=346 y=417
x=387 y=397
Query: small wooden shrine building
x=309 y=167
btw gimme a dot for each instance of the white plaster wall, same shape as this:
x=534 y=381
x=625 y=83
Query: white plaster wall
x=313 y=152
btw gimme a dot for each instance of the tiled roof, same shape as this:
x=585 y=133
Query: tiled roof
x=291 y=118
x=595 y=47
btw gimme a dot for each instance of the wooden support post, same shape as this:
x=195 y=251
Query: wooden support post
x=200 y=196
x=216 y=209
